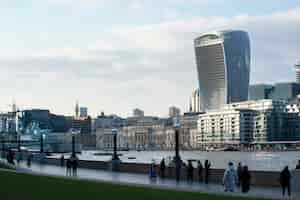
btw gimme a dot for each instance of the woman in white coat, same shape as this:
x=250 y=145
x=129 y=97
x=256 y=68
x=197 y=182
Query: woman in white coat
x=230 y=178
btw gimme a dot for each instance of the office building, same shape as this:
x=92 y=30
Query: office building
x=260 y=91
x=285 y=91
x=83 y=111
x=279 y=91
x=174 y=112
x=223 y=64
x=138 y=113
x=297 y=69
x=243 y=123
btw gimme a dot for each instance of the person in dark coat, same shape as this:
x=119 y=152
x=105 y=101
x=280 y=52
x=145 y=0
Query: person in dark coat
x=190 y=171
x=62 y=161
x=285 y=181
x=200 y=169
x=245 y=179
x=10 y=157
x=239 y=173
x=68 y=167
x=29 y=158
x=74 y=165
x=162 y=168
x=207 y=166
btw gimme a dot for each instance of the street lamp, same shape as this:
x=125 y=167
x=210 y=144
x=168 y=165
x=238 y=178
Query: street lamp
x=115 y=154
x=42 y=137
x=115 y=161
x=177 y=159
x=74 y=133
x=73 y=145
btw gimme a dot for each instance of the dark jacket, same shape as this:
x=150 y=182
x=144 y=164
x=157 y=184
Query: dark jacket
x=285 y=177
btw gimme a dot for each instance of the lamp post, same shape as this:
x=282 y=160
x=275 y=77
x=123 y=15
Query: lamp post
x=115 y=161
x=73 y=145
x=115 y=154
x=177 y=159
x=41 y=143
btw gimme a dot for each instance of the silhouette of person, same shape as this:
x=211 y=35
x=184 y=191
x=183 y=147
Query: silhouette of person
x=207 y=166
x=285 y=177
x=200 y=169
x=190 y=171
x=162 y=168
x=245 y=179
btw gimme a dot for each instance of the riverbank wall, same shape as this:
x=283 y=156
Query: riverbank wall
x=258 y=178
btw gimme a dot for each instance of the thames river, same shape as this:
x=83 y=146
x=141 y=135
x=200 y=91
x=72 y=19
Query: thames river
x=267 y=161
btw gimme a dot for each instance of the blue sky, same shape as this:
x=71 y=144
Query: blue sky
x=116 y=55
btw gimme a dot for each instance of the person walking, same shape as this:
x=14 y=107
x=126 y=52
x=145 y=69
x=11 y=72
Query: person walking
x=245 y=179
x=190 y=171
x=74 y=162
x=68 y=167
x=239 y=173
x=229 y=178
x=162 y=168
x=62 y=160
x=29 y=157
x=152 y=170
x=285 y=178
x=200 y=169
x=207 y=166
x=10 y=157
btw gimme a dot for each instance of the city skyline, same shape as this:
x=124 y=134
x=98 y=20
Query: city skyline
x=144 y=60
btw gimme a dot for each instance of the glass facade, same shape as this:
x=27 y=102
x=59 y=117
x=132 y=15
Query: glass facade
x=260 y=91
x=279 y=91
x=223 y=64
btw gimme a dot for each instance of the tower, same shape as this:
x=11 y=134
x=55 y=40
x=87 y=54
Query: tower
x=297 y=69
x=223 y=65
x=76 y=109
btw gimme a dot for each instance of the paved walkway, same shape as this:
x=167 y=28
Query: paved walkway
x=145 y=181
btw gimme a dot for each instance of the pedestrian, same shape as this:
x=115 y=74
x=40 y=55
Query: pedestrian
x=245 y=179
x=207 y=166
x=68 y=167
x=10 y=157
x=229 y=178
x=298 y=165
x=19 y=157
x=74 y=162
x=162 y=168
x=239 y=173
x=62 y=160
x=285 y=177
x=153 y=170
x=200 y=169
x=29 y=157
x=190 y=171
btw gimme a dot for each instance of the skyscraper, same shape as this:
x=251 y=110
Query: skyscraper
x=76 y=109
x=223 y=64
x=297 y=69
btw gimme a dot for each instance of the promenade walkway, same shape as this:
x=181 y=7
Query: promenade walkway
x=143 y=180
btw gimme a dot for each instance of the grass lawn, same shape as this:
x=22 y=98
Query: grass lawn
x=22 y=186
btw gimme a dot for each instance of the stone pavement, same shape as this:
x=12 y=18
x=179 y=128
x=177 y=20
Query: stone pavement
x=144 y=181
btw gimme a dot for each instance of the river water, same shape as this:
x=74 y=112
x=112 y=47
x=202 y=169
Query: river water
x=267 y=161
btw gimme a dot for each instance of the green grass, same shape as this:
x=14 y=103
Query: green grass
x=23 y=186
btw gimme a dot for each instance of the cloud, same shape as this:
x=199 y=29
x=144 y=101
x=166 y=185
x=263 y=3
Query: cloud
x=150 y=66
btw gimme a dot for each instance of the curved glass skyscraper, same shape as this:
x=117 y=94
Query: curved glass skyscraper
x=223 y=64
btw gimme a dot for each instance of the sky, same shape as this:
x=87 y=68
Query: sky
x=117 y=55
